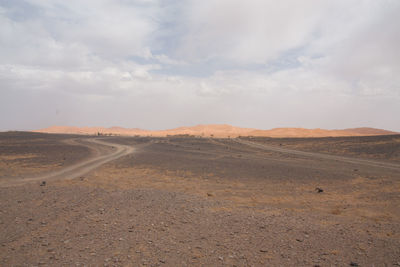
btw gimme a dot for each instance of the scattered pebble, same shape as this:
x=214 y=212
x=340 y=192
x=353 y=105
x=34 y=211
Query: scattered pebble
x=319 y=190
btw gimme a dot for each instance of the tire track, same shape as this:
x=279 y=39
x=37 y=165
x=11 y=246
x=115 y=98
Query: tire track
x=101 y=157
x=370 y=163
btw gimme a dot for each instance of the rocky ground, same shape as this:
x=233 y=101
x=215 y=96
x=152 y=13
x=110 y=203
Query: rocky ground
x=201 y=202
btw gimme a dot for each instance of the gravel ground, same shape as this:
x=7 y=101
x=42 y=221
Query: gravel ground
x=202 y=202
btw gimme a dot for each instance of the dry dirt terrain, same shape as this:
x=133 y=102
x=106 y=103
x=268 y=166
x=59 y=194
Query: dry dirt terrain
x=183 y=201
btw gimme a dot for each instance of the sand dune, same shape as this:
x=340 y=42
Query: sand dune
x=301 y=132
x=92 y=130
x=218 y=130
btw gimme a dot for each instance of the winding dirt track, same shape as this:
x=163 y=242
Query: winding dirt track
x=321 y=156
x=100 y=157
x=371 y=163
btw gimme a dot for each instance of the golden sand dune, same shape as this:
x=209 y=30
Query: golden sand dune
x=301 y=132
x=92 y=130
x=218 y=130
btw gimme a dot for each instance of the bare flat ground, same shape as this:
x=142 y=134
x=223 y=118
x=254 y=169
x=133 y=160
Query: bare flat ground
x=184 y=201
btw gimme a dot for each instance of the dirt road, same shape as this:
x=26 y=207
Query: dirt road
x=320 y=155
x=103 y=152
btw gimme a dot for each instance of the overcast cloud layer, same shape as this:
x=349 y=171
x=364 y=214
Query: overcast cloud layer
x=159 y=64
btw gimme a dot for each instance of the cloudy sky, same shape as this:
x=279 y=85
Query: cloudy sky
x=159 y=64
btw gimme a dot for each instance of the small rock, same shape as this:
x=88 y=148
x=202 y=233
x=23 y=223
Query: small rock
x=353 y=264
x=43 y=183
x=319 y=190
x=209 y=194
x=263 y=250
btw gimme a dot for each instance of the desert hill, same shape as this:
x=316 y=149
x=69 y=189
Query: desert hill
x=370 y=131
x=218 y=130
x=301 y=132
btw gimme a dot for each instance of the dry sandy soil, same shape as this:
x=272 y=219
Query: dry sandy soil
x=125 y=201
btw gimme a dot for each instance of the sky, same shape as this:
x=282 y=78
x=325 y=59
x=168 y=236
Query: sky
x=160 y=64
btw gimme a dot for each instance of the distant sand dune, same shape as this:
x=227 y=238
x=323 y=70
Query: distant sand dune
x=218 y=130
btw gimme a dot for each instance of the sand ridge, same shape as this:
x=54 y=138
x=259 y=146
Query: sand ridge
x=217 y=130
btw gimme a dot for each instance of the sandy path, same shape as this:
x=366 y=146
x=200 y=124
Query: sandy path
x=101 y=156
x=371 y=163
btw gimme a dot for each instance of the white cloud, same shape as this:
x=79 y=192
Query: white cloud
x=252 y=31
x=189 y=62
x=74 y=34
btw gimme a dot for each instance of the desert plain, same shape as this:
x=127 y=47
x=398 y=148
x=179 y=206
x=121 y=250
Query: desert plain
x=81 y=200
